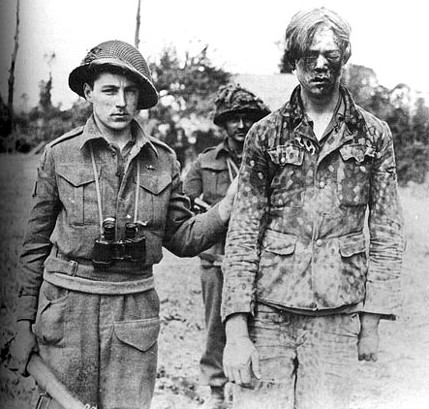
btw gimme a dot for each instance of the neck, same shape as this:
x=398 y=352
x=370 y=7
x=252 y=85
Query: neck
x=118 y=136
x=236 y=147
x=322 y=106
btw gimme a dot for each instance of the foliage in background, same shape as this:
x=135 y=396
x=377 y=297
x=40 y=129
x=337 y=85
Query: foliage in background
x=407 y=114
x=186 y=85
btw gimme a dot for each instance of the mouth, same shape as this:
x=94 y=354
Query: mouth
x=120 y=116
x=320 y=80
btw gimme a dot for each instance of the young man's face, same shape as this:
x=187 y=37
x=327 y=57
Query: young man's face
x=319 y=70
x=114 y=98
x=237 y=126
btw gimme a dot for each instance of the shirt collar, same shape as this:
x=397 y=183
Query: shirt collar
x=294 y=114
x=92 y=132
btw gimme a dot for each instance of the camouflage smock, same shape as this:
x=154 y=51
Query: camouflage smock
x=296 y=236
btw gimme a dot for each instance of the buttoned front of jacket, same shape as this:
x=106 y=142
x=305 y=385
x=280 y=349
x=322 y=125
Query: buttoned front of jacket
x=65 y=204
x=210 y=177
x=296 y=237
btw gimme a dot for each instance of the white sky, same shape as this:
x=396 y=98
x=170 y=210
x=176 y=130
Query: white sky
x=390 y=37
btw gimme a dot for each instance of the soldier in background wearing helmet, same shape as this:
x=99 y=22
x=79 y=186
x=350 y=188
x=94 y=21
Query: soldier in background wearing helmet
x=208 y=179
x=107 y=198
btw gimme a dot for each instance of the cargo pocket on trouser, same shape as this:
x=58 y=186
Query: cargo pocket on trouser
x=128 y=378
x=51 y=315
x=140 y=334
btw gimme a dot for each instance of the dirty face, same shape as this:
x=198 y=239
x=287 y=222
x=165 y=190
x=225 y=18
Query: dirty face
x=114 y=98
x=237 y=126
x=319 y=69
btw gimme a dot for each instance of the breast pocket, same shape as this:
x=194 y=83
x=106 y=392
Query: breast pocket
x=154 y=197
x=78 y=195
x=353 y=176
x=287 y=185
x=215 y=184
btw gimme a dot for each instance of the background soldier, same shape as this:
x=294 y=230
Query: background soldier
x=107 y=198
x=208 y=179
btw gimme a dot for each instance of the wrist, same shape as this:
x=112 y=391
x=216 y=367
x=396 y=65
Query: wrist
x=224 y=210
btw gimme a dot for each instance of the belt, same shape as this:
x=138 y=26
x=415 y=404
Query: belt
x=83 y=277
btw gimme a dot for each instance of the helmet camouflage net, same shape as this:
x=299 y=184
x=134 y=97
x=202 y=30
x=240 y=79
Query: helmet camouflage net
x=120 y=57
x=232 y=99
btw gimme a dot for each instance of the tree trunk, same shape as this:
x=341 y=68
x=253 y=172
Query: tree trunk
x=137 y=35
x=11 y=80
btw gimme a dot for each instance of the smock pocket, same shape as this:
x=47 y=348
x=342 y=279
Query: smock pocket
x=277 y=251
x=279 y=243
x=354 y=265
x=51 y=315
x=139 y=334
x=76 y=186
x=354 y=174
x=287 y=184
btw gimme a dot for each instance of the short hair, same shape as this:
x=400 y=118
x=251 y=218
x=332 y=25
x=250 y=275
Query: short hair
x=302 y=27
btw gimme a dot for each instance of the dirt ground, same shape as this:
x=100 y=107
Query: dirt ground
x=399 y=380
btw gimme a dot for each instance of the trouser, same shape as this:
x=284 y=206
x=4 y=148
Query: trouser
x=103 y=348
x=211 y=361
x=306 y=362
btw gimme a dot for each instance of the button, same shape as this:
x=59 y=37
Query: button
x=319 y=242
x=322 y=184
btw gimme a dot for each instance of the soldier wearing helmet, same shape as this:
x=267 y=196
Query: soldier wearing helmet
x=208 y=179
x=108 y=197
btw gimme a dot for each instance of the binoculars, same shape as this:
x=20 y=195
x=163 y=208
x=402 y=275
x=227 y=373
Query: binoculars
x=107 y=250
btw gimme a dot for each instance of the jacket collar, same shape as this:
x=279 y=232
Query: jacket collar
x=293 y=111
x=92 y=132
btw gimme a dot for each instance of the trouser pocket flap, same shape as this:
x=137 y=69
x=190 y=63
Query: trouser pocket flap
x=140 y=334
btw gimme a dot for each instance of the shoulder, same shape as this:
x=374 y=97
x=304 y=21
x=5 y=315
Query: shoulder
x=66 y=137
x=374 y=125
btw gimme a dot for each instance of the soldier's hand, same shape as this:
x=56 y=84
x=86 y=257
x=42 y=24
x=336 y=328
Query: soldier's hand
x=226 y=204
x=240 y=357
x=241 y=361
x=22 y=347
x=368 y=341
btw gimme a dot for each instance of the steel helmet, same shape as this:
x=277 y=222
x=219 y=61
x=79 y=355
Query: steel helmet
x=119 y=54
x=232 y=98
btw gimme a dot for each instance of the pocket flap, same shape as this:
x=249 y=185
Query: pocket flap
x=357 y=152
x=154 y=182
x=352 y=244
x=76 y=176
x=279 y=243
x=286 y=155
x=140 y=334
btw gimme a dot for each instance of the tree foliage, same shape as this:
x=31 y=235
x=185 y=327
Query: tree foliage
x=191 y=81
x=405 y=111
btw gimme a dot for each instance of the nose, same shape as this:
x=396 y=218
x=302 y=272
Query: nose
x=240 y=123
x=120 y=99
x=321 y=62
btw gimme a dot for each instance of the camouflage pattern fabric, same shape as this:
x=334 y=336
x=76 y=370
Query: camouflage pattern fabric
x=296 y=236
x=232 y=98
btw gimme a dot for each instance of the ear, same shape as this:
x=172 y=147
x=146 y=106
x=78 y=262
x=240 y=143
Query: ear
x=87 y=92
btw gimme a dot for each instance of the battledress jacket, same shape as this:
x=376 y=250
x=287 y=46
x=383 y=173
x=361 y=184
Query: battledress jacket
x=209 y=176
x=65 y=220
x=296 y=237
